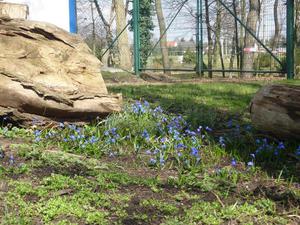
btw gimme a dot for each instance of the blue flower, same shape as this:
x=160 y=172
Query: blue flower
x=208 y=129
x=162 y=161
x=164 y=120
x=146 y=135
x=179 y=154
x=281 y=146
x=229 y=123
x=163 y=140
x=152 y=161
x=163 y=147
x=11 y=159
x=72 y=126
x=155 y=151
x=37 y=139
x=222 y=142
x=199 y=129
x=2 y=154
x=138 y=108
x=37 y=133
x=93 y=139
x=112 y=140
x=148 y=152
x=248 y=127
x=252 y=156
x=180 y=146
x=250 y=164
x=233 y=162
x=190 y=133
x=158 y=109
x=72 y=137
x=194 y=151
x=176 y=135
x=113 y=131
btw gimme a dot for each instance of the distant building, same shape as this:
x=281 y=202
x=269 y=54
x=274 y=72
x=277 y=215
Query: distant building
x=15 y=11
x=172 y=44
x=185 y=45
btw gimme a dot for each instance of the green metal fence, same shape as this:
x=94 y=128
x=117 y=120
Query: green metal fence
x=208 y=37
x=268 y=57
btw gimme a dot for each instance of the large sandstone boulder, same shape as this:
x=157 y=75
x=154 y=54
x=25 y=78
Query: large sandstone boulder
x=47 y=74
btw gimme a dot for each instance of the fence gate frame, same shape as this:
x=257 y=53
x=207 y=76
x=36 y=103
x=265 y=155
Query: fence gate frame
x=290 y=26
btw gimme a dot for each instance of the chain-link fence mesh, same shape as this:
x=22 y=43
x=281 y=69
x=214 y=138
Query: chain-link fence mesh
x=233 y=36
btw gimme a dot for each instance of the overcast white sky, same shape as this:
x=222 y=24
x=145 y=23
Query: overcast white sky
x=52 y=11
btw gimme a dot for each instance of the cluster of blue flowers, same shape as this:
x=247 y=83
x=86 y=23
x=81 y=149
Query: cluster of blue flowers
x=11 y=159
x=264 y=148
x=167 y=139
x=111 y=136
x=172 y=139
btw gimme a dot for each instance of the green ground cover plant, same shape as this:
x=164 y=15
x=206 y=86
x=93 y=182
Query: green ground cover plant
x=177 y=154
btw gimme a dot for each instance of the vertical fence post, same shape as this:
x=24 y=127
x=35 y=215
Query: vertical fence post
x=290 y=39
x=72 y=16
x=136 y=37
x=199 y=39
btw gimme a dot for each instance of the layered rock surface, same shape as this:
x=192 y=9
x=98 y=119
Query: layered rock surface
x=47 y=74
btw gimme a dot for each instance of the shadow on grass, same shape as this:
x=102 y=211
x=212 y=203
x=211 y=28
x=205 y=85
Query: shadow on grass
x=200 y=104
x=211 y=104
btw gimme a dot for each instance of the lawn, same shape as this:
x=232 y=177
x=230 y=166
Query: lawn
x=177 y=154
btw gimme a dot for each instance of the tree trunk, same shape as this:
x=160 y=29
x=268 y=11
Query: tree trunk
x=297 y=24
x=236 y=35
x=123 y=43
x=277 y=28
x=209 y=38
x=217 y=27
x=276 y=109
x=221 y=57
x=252 y=19
x=163 y=41
x=107 y=28
x=242 y=32
x=232 y=53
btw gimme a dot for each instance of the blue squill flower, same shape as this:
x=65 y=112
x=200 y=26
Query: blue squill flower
x=11 y=160
x=233 y=162
x=152 y=161
x=250 y=164
x=194 y=151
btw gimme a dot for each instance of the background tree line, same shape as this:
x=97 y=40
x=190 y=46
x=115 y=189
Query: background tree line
x=101 y=21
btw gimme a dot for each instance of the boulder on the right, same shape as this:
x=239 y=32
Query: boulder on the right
x=276 y=109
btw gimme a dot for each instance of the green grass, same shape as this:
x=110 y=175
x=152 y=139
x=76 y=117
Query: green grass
x=54 y=181
x=207 y=104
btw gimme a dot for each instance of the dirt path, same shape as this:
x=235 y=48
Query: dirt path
x=141 y=82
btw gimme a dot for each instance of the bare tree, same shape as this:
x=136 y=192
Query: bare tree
x=209 y=38
x=107 y=27
x=217 y=52
x=252 y=19
x=297 y=26
x=163 y=41
x=123 y=43
x=276 y=22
